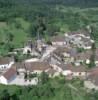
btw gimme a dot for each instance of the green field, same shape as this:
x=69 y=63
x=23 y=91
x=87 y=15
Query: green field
x=20 y=34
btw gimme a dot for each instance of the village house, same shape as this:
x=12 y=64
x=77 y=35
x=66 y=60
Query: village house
x=26 y=50
x=81 y=33
x=16 y=74
x=81 y=42
x=37 y=67
x=32 y=60
x=84 y=33
x=96 y=57
x=74 y=71
x=8 y=76
x=58 y=40
x=53 y=59
x=79 y=39
x=70 y=69
x=32 y=67
x=29 y=48
x=91 y=81
x=52 y=73
x=87 y=43
x=96 y=60
x=83 y=57
x=6 y=62
x=40 y=44
x=71 y=34
x=65 y=54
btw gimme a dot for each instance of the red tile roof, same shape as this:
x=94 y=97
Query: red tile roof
x=5 y=60
x=73 y=68
x=57 y=39
x=41 y=66
x=10 y=73
x=93 y=76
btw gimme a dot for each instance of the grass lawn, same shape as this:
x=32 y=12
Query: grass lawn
x=20 y=34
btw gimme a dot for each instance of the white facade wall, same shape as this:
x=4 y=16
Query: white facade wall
x=10 y=64
x=77 y=74
x=66 y=54
x=87 y=61
x=26 y=49
x=96 y=62
x=57 y=68
x=54 y=75
x=31 y=60
x=37 y=71
x=3 y=80
x=66 y=72
x=6 y=66
x=87 y=48
x=59 y=43
x=90 y=85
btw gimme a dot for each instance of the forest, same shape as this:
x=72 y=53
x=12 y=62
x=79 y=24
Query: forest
x=25 y=18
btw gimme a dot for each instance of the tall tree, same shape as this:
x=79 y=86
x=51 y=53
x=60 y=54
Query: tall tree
x=44 y=78
x=5 y=95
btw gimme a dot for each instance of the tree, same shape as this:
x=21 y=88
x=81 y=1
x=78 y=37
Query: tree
x=9 y=47
x=92 y=61
x=17 y=24
x=93 y=47
x=92 y=58
x=44 y=78
x=16 y=59
x=14 y=97
x=38 y=27
x=10 y=36
x=80 y=50
x=5 y=95
x=47 y=90
x=67 y=93
x=25 y=75
x=8 y=41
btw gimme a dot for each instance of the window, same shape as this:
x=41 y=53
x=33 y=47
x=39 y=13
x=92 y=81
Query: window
x=4 y=67
x=80 y=73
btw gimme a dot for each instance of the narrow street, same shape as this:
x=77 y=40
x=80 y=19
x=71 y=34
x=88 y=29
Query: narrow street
x=47 y=53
